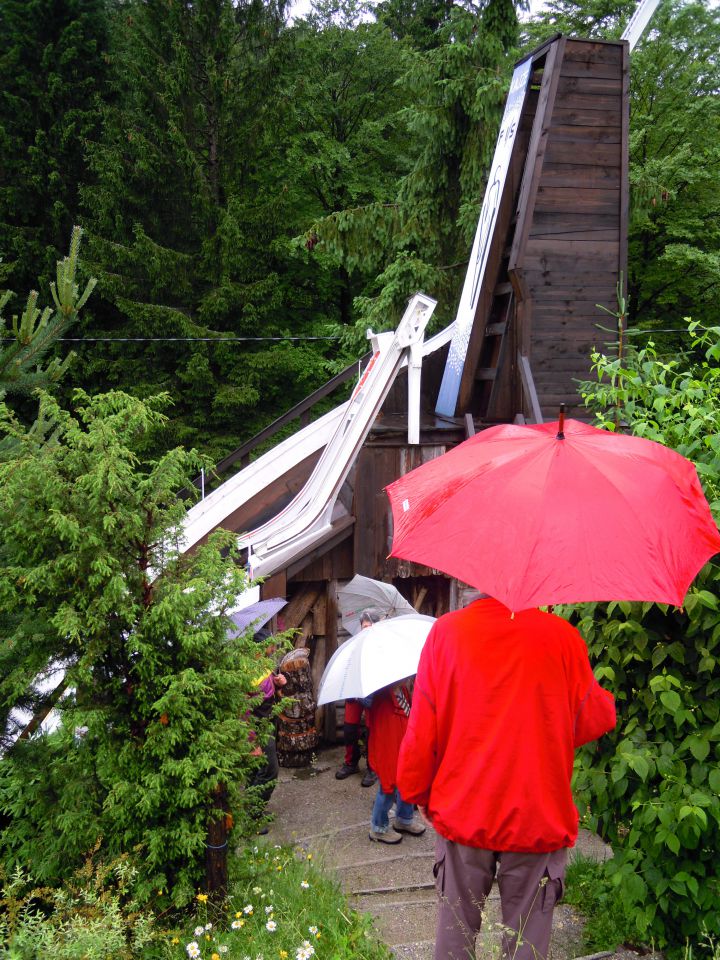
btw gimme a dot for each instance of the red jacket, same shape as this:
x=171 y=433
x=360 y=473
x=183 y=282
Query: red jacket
x=499 y=705
x=387 y=721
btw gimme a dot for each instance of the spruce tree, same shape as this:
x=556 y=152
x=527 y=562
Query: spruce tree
x=344 y=143
x=422 y=239
x=27 y=338
x=186 y=235
x=53 y=64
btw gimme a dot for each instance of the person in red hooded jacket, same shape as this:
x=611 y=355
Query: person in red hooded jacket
x=501 y=701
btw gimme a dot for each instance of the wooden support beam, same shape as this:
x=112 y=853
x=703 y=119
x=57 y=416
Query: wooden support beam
x=329 y=715
x=300 y=605
x=529 y=389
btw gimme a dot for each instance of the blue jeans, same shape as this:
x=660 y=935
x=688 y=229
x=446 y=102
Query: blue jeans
x=383 y=801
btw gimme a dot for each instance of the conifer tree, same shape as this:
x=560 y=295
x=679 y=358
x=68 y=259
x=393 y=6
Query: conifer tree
x=27 y=338
x=186 y=236
x=422 y=239
x=53 y=64
x=344 y=144
x=154 y=697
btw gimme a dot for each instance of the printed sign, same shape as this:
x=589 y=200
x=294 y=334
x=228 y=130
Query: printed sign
x=450 y=387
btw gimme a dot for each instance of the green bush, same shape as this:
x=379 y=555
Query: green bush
x=607 y=922
x=652 y=786
x=92 y=576
x=94 y=916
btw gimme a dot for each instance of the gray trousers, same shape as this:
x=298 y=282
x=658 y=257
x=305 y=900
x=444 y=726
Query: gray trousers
x=530 y=885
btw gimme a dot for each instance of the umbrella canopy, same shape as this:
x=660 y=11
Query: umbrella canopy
x=363 y=592
x=536 y=515
x=256 y=615
x=378 y=656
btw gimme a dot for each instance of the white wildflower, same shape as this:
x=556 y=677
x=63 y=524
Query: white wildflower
x=271 y=926
x=304 y=884
x=193 y=950
x=199 y=931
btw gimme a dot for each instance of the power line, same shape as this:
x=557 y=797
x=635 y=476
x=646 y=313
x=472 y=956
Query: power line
x=179 y=339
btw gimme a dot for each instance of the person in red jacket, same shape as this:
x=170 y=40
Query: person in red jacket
x=388 y=711
x=500 y=703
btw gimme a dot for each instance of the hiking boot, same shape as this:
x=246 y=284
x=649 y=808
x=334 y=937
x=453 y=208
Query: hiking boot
x=385 y=836
x=370 y=778
x=345 y=771
x=415 y=828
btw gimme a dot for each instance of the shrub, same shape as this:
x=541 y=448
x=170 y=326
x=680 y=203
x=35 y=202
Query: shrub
x=653 y=785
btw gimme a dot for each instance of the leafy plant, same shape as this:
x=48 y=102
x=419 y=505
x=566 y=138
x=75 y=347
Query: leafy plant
x=606 y=921
x=651 y=788
x=94 y=916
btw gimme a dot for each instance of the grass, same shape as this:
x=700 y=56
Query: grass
x=282 y=906
x=588 y=888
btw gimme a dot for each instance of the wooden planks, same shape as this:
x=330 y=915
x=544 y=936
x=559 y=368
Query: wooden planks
x=574 y=252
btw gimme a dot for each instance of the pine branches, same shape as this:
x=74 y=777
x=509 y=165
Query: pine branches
x=34 y=332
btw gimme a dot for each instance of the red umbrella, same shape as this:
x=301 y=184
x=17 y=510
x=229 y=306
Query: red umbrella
x=557 y=513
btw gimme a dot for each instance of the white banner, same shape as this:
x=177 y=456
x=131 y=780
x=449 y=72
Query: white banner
x=450 y=387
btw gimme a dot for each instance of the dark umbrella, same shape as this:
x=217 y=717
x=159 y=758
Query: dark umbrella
x=256 y=615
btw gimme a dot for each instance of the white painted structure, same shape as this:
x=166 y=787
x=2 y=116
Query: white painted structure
x=315 y=514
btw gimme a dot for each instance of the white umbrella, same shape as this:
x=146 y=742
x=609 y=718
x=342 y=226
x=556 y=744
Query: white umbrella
x=363 y=592
x=376 y=657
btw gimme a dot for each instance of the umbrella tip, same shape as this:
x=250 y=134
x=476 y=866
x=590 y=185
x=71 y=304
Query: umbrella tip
x=561 y=423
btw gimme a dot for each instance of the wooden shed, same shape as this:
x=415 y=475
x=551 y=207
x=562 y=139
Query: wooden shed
x=551 y=246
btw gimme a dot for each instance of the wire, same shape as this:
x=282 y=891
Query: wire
x=185 y=339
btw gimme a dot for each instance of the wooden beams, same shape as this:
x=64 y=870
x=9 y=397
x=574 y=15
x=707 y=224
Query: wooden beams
x=565 y=245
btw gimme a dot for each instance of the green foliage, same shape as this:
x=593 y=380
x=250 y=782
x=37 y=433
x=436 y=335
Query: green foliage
x=281 y=903
x=652 y=787
x=53 y=67
x=93 y=917
x=188 y=232
x=155 y=725
x=606 y=922
x=36 y=332
x=674 y=236
x=420 y=240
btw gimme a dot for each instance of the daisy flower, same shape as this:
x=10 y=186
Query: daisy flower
x=199 y=931
x=193 y=950
x=248 y=909
x=269 y=908
x=271 y=926
x=304 y=884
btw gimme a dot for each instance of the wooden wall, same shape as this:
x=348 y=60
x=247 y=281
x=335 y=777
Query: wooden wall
x=576 y=244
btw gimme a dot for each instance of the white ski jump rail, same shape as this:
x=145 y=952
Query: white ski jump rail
x=308 y=518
